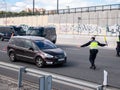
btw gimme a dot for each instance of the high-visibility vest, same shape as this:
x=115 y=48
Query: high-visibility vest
x=94 y=45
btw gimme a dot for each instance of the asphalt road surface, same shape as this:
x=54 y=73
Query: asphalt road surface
x=77 y=65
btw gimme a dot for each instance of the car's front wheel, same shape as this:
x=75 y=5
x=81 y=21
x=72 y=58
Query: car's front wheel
x=39 y=62
x=12 y=56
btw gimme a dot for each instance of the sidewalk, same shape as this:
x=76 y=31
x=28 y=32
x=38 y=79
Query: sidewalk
x=7 y=83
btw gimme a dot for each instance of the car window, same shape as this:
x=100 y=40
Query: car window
x=23 y=43
x=45 y=44
x=19 y=42
x=19 y=30
x=35 y=32
x=35 y=47
x=6 y=29
x=28 y=44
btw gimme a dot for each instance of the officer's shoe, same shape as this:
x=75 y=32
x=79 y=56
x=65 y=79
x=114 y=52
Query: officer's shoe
x=94 y=67
x=91 y=67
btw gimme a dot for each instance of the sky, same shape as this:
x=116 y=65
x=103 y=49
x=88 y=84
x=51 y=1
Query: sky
x=19 y=5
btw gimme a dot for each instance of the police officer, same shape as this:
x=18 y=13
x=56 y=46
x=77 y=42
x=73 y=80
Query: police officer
x=118 y=47
x=93 y=51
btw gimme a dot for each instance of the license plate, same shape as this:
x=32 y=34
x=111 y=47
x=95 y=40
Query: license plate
x=62 y=59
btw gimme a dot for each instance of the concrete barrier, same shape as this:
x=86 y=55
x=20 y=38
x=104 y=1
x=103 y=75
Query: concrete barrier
x=81 y=39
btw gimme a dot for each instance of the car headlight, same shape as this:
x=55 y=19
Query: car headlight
x=48 y=55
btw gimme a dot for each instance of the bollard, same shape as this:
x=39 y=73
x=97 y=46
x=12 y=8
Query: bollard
x=48 y=82
x=105 y=81
x=45 y=83
x=42 y=83
x=22 y=69
x=100 y=87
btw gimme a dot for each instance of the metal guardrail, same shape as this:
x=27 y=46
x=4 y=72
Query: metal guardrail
x=45 y=78
x=68 y=10
x=45 y=81
x=84 y=9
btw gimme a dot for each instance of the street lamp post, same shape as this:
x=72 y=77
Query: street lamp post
x=6 y=15
x=57 y=6
x=5 y=4
x=33 y=6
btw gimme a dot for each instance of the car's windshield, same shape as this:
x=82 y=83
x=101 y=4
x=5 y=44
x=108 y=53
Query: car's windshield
x=35 y=31
x=45 y=44
x=19 y=30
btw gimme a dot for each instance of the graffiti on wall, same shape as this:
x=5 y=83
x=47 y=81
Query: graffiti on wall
x=87 y=28
x=90 y=29
x=115 y=29
x=82 y=28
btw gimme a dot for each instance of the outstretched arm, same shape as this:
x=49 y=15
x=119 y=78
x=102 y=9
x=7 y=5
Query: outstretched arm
x=86 y=44
x=101 y=44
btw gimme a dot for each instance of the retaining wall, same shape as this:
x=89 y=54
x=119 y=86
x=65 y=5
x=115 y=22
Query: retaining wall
x=81 y=39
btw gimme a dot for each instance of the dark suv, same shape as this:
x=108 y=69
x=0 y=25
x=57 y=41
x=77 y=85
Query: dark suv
x=35 y=49
x=6 y=32
x=19 y=30
x=46 y=32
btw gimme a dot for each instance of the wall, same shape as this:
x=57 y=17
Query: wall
x=89 y=23
x=27 y=20
x=78 y=40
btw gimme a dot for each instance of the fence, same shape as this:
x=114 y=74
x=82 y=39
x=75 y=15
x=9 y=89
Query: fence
x=84 y=9
x=94 y=20
x=46 y=78
x=97 y=20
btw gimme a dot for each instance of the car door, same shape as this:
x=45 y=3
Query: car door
x=19 y=49
x=29 y=51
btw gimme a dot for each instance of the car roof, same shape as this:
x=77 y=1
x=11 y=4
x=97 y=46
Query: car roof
x=6 y=28
x=30 y=37
x=36 y=27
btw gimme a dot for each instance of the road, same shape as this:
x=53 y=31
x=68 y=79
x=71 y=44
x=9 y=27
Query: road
x=77 y=65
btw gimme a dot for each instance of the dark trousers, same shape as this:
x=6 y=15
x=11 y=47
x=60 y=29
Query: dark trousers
x=93 y=53
x=118 y=49
x=118 y=52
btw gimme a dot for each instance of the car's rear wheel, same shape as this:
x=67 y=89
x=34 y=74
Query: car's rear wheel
x=12 y=56
x=39 y=62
